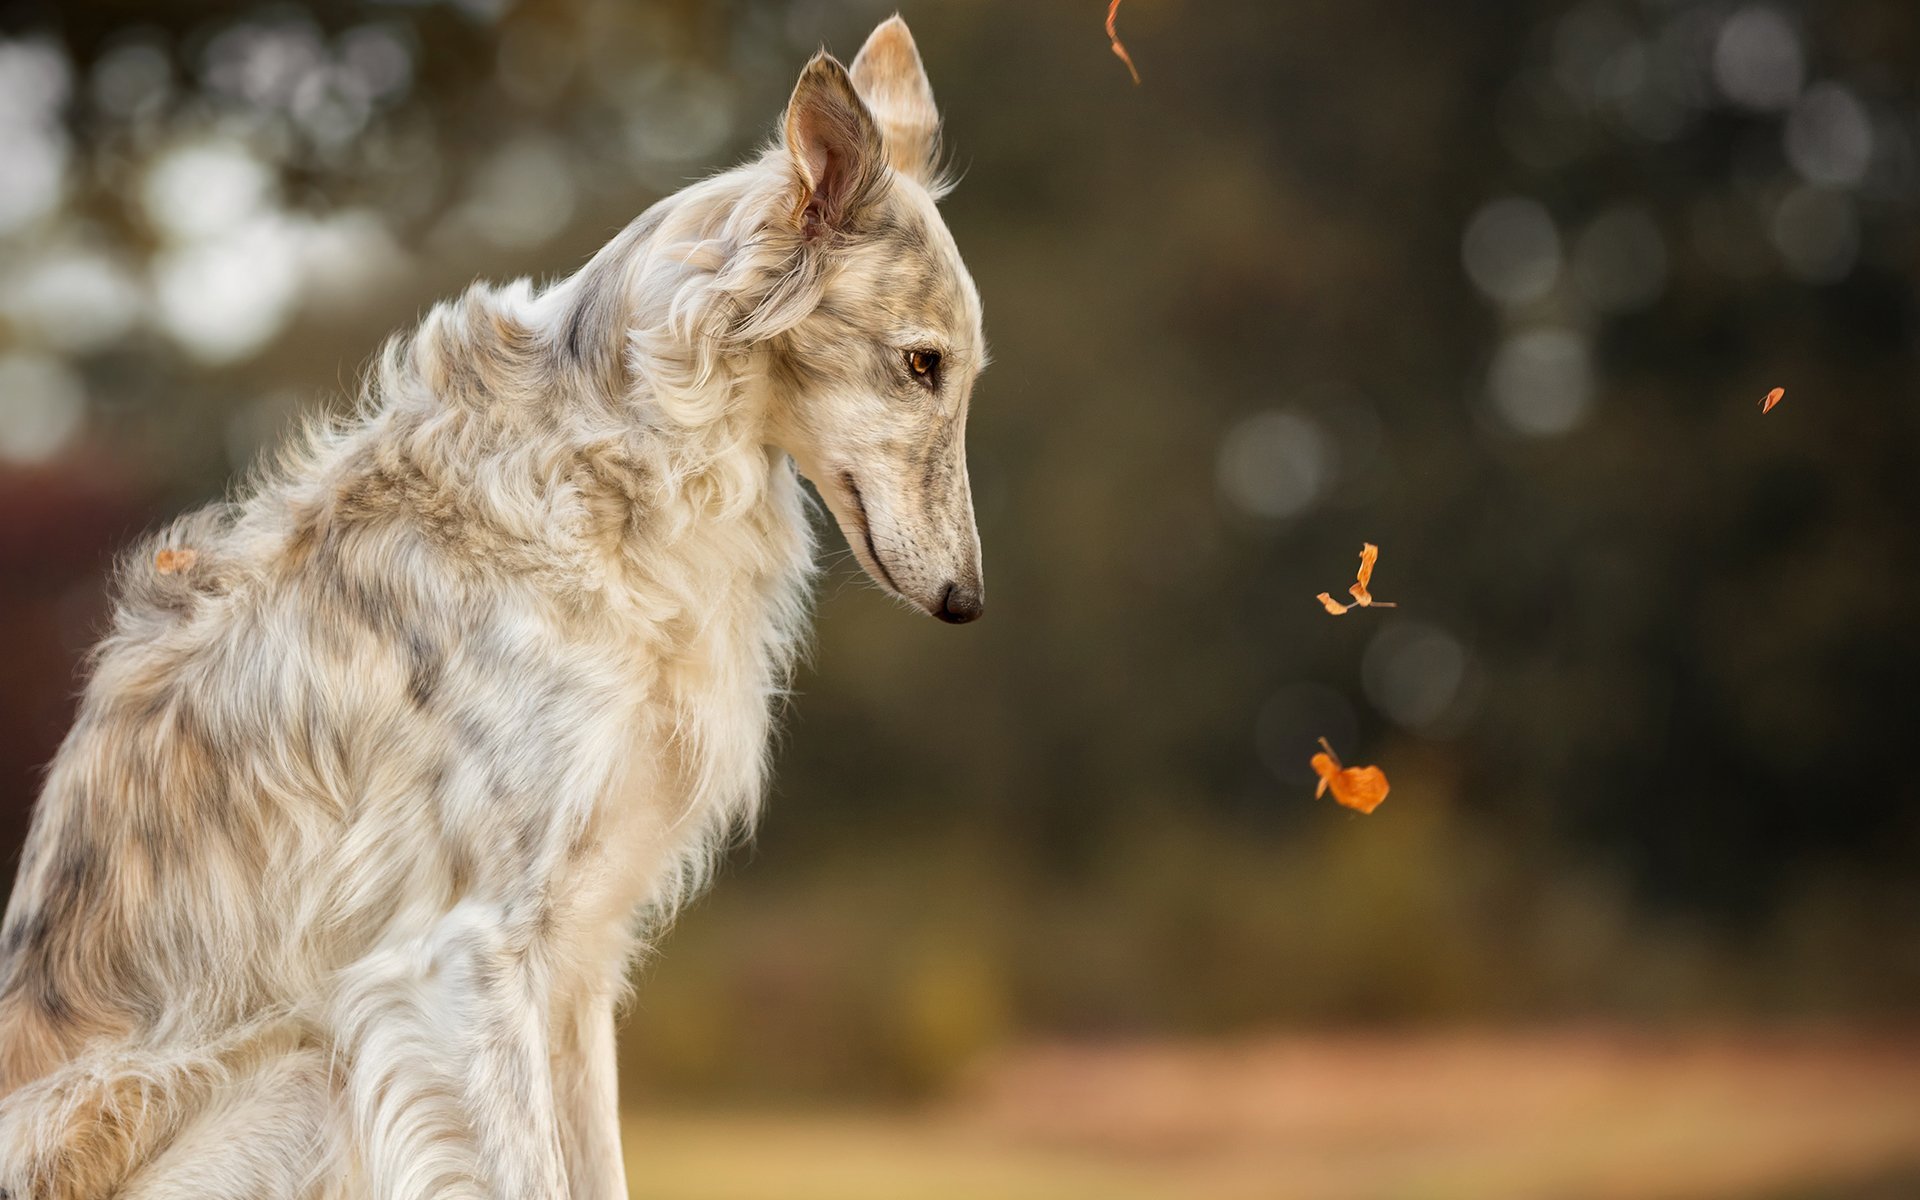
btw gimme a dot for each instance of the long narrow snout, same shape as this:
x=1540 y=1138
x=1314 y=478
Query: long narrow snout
x=928 y=554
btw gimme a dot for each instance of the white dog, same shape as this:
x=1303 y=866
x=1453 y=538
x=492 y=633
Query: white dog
x=333 y=886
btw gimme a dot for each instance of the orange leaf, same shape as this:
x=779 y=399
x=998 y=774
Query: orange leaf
x=1369 y=554
x=172 y=562
x=1773 y=397
x=1113 y=10
x=1359 y=788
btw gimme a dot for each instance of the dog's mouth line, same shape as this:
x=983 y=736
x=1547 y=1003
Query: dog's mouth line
x=866 y=532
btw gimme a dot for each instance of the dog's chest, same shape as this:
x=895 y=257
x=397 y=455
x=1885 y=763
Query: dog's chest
x=689 y=767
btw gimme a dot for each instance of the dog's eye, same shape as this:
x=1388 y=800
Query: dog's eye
x=925 y=365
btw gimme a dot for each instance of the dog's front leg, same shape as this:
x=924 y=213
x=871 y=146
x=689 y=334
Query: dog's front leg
x=586 y=1089
x=499 y=991
x=451 y=1089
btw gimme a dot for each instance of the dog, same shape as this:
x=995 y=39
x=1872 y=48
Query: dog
x=387 y=767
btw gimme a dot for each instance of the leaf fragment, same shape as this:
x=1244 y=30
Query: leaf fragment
x=173 y=562
x=1359 y=788
x=1120 y=51
x=1362 y=598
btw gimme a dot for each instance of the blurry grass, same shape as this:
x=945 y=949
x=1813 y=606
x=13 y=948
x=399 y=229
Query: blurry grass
x=1573 y=1115
x=854 y=1157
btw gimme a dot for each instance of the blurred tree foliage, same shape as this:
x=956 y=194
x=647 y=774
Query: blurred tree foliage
x=1496 y=286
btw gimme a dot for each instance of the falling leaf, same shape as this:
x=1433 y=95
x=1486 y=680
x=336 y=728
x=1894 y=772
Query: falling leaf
x=1369 y=554
x=172 y=562
x=1113 y=10
x=1773 y=397
x=1362 y=598
x=1359 y=788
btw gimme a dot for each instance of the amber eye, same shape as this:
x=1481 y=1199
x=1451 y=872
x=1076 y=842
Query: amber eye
x=925 y=365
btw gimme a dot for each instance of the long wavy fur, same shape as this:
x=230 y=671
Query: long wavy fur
x=389 y=763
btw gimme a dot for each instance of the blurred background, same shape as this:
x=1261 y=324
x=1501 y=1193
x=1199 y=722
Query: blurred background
x=1046 y=906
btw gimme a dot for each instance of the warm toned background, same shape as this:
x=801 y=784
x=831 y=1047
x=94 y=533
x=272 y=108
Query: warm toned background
x=1045 y=906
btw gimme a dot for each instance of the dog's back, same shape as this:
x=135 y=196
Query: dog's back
x=323 y=717
x=134 y=966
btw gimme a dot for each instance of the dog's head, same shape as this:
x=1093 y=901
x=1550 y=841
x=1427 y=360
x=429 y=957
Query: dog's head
x=870 y=389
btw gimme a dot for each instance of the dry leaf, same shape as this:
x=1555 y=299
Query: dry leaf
x=1359 y=788
x=1773 y=397
x=1333 y=606
x=1369 y=554
x=172 y=562
x=1113 y=10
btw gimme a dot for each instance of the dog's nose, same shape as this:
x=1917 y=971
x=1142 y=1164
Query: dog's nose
x=960 y=604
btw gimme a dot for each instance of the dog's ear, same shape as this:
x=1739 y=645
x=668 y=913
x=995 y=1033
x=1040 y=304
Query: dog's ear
x=834 y=145
x=892 y=80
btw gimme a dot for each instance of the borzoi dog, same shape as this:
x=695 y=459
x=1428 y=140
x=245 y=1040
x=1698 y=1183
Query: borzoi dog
x=333 y=886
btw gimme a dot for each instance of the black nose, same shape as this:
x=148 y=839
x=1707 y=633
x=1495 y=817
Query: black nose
x=960 y=604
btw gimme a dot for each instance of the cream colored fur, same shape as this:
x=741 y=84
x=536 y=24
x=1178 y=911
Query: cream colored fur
x=388 y=766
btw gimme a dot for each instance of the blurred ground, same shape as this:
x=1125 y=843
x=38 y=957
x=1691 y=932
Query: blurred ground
x=1579 y=1114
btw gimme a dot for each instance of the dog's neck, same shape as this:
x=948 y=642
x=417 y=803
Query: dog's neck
x=604 y=442
x=602 y=424
x=654 y=340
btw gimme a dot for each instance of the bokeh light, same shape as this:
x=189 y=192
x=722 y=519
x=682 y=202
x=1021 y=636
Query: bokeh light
x=1817 y=233
x=34 y=80
x=204 y=189
x=1512 y=250
x=1830 y=137
x=1414 y=673
x=1757 y=60
x=73 y=299
x=42 y=407
x=523 y=193
x=1276 y=464
x=1541 y=381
